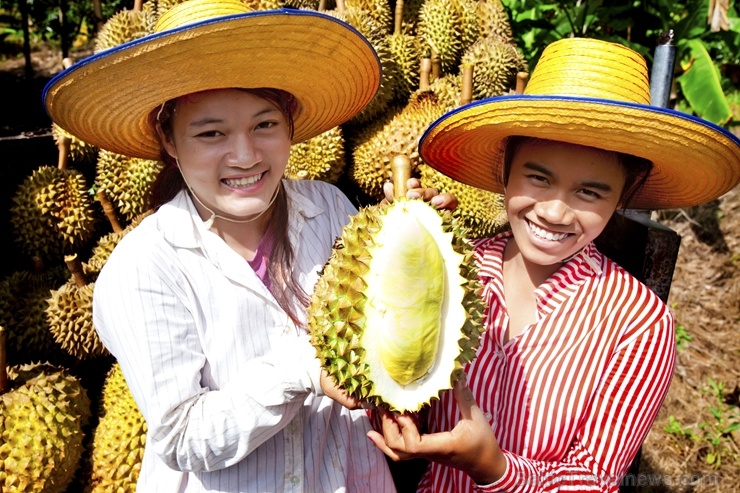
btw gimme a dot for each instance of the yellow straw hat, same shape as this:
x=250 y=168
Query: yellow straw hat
x=592 y=93
x=106 y=99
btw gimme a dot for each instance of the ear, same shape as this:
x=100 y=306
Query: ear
x=167 y=144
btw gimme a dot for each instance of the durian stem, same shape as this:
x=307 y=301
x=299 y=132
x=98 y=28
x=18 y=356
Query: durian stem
x=341 y=6
x=436 y=64
x=521 y=82
x=38 y=264
x=466 y=95
x=401 y=171
x=74 y=264
x=426 y=68
x=322 y=5
x=110 y=211
x=63 y=145
x=67 y=62
x=4 y=383
x=138 y=4
x=398 y=17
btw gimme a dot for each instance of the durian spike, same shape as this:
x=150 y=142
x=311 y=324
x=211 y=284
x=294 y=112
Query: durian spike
x=63 y=145
x=521 y=82
x=74 y=264
x=302 y=174
x=401 y=172
x=110 y=211
x=436 y=64
x=466 y=94
x=137 y=5
x=4 y=383
x=426 y=68
x=398 y=17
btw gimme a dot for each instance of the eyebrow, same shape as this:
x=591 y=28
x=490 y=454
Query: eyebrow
x=596 y=185
x=209 y=120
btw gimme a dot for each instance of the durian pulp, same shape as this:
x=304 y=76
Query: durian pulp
x=411 y=329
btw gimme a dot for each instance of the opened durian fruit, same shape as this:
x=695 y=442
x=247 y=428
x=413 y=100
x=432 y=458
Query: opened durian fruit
x=397 y=312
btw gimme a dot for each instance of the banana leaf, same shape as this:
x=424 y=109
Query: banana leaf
x=701 y=84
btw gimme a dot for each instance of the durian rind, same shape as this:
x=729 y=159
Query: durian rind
x=41 y=429
x=344 y=320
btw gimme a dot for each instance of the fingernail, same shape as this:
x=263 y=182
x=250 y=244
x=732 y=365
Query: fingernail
x=436 y=200
x=413 y=195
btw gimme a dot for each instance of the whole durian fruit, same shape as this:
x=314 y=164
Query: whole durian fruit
x=318 y=158
x=126 y=181
x=482 y=212
x=397 y=312
x=494 y=21
x=42 y=417
x=439 y=29
x=118 y=440
x=376 y=148
x=406 y=53
x=495 y=67
x=52 y=213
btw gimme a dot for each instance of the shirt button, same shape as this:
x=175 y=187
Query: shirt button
x=295 y=479
x=488 y=415
x=292 y=428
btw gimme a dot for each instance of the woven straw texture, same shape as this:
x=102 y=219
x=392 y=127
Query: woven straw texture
x=328 y=66
x=596 y=94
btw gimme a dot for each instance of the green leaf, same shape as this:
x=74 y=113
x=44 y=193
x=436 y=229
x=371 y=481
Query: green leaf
x=701 y=85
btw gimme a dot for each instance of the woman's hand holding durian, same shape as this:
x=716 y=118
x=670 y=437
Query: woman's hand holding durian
x=470 y=446
x=414 y=190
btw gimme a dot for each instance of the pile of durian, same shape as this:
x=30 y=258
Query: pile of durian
x=394 y=318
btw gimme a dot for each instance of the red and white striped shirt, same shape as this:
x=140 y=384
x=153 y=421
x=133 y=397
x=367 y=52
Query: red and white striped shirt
x=573 y=396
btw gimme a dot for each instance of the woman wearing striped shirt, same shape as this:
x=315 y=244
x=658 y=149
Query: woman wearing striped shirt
x=577 y=355
x=203 y=304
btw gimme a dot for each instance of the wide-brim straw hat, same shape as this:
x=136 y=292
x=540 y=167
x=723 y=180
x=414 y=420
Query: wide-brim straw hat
x=106 y=99
x=596 y=94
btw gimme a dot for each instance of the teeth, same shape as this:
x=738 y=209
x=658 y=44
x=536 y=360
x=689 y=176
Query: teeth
x=243 y=182
x=546 y=235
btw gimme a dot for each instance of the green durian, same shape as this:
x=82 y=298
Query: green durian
x=439 y=29
x=397 y=312
x=126 y=181
x=124 y=26
x=118 y=440
x=495 y=67
x=79 y=151
x=318 y=158
x=52 y=213
x=41 y=429
x=494 y=21
x=481 y=212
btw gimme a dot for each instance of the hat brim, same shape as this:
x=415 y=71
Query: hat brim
x=694 y=161
x=329 y=67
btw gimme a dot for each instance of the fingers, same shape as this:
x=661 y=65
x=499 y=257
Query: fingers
x=416 y=191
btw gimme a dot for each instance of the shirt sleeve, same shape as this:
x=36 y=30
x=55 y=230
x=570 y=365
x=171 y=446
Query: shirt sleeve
x=145 y=318
x=619 y=418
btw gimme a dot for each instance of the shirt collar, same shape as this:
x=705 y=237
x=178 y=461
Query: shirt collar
x=182 y=226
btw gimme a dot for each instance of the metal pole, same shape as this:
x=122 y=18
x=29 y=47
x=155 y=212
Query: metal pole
x=661 y=76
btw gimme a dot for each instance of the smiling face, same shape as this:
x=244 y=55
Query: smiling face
x=559 y=197
x=233 y=147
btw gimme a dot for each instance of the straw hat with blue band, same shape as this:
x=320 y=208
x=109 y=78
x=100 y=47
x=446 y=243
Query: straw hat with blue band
x=106 y=99
x=597 y=94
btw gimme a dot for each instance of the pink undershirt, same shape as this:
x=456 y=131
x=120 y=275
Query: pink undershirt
x=260 y=261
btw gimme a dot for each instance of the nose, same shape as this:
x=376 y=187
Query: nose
x=243 y=152
x=554 y=211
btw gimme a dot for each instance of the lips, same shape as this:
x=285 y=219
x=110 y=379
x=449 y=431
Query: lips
x=546 y=235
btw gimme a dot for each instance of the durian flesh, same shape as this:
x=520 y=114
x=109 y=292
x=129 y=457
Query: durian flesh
x=396 y=311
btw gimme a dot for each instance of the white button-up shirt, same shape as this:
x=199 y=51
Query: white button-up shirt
x=226 y=382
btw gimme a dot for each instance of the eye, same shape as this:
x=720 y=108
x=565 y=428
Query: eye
x=209 y=134
x=267 y=124
x=589 y=194
x=538 y=179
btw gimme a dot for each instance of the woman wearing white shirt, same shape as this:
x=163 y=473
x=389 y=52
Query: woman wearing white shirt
x=203 y=304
